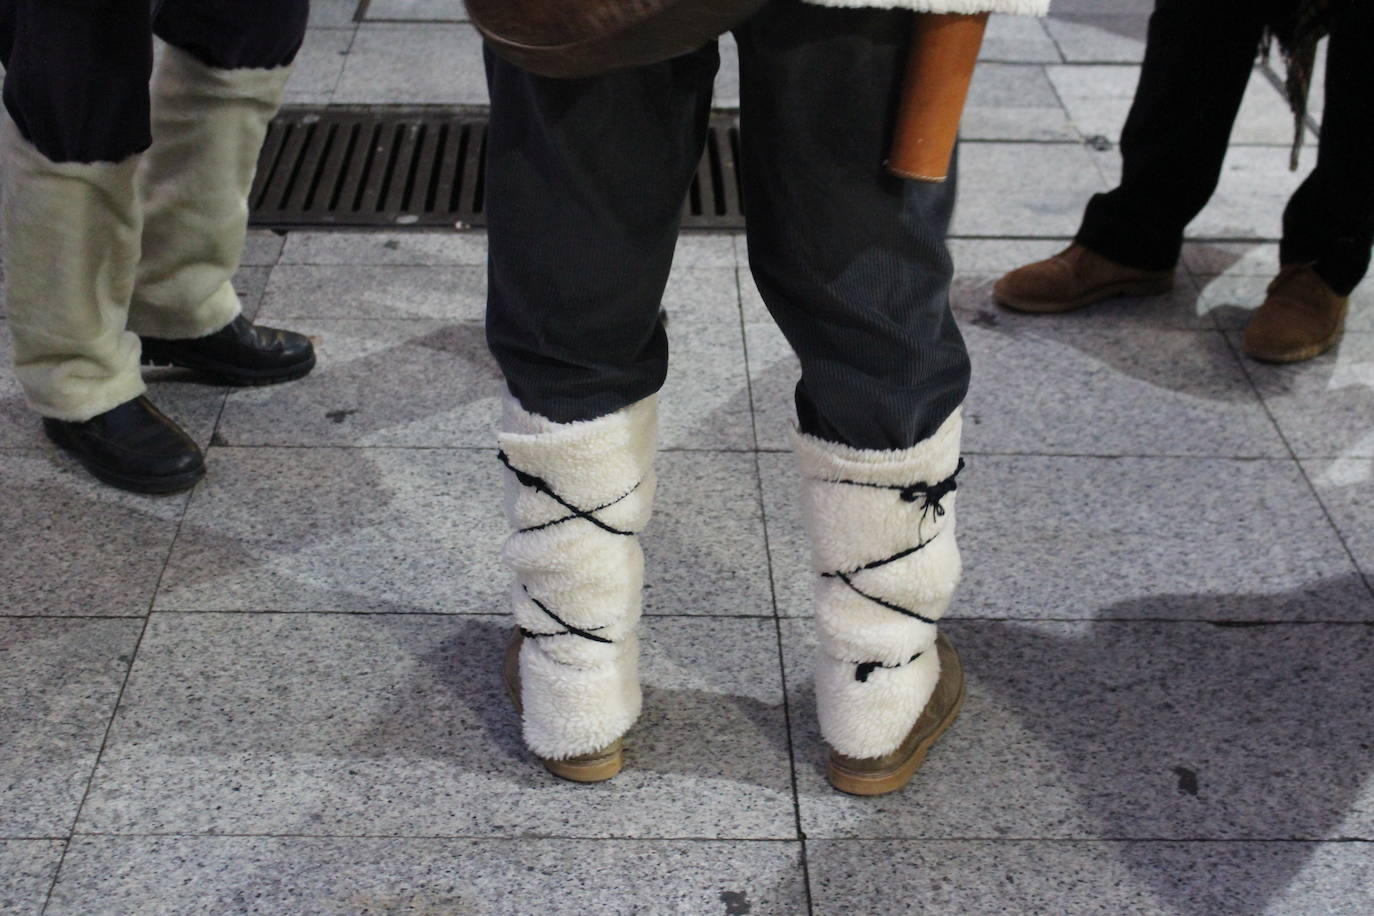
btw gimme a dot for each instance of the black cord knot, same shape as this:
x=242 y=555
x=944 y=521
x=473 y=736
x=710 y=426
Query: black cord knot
x=933 y=493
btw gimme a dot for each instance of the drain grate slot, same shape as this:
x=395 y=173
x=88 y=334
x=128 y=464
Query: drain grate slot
x=353 y=168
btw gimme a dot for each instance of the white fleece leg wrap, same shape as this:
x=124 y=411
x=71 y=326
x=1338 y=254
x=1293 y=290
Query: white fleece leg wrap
x=71 y=241
x=577 y=494
x=208 y=127
x=882 y=536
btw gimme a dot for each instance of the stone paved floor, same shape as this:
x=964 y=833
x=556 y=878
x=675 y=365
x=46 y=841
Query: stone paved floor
x=278 y=694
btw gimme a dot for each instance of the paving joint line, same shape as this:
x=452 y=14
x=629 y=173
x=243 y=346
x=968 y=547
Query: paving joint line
x=1302 y=470
x=119 y=700
x=773 y=595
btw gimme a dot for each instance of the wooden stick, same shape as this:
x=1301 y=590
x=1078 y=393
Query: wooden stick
x=939 y=68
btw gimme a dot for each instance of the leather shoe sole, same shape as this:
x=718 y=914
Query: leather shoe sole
x=881 y=780
x=155 y=354
x=1147 y=286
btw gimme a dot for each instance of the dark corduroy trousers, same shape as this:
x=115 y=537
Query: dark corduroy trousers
x=77 y=71
x=586 y=180
x=1197 y=63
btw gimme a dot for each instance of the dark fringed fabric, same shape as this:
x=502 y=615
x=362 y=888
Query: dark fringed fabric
x=1298 y=26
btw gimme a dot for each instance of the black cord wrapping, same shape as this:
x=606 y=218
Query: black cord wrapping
x=933 y=494
x=540 y=485
x=864 y=670
x=568 y=629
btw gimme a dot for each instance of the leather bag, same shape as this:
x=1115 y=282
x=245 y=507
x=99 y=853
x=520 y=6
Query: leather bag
x=579 y=38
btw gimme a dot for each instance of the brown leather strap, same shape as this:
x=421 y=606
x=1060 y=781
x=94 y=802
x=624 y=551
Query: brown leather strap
x=944 y=52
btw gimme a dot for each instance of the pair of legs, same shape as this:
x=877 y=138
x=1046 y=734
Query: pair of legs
x=1197 y=63
x=586 y=182
x=125 y=204
x=1198 y=60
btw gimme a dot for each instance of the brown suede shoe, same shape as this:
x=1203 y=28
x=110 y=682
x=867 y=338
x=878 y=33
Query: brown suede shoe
x=1302 y=318
x=597 y=766
x=1075 y=277
x=880 y=775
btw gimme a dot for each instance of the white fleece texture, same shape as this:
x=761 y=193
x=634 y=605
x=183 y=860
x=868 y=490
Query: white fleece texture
x=872 y=718
x=71 y=242
x=208 y=127
x=850 y=527
x=579 y=694
x=1015 y=7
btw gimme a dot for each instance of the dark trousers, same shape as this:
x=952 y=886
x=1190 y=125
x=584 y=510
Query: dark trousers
x=1197 y=62
x=77 y=71
x=586 y=180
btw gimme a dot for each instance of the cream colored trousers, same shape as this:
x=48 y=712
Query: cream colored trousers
x=97 y=254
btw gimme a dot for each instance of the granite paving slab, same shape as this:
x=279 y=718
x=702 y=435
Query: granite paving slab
x=416 y=11
x=1063 y=8
x=318 y=67
x=1324 y=407
x=414 y=248
x=434 y=383
x=1098 y=98
x=405 y=531
x=387 y=725
x=379 y=382
x=1255 y=186
x=429 y=64
x=341 y=530
x=773 y=375
x=1096 y=37
x=332 y=13
x=1054 y=384
x=1144 y=527
x=997 y=256
x=789 y=547
x=725 y=93
x=1014 y=102
x=376 y=291
x=1018 y=39
x=704 y=548
x=1208 y=259
x=262 y=248
x=77 y=547
x=1346 y=488
x=343 y=877
x=426 y=248
x=250 y=283
x=1097 y=390
x=27 y=868
x=704 y=403
x=1023 y=189
x=987 y=877
x=59 y=680
x=1117 y=730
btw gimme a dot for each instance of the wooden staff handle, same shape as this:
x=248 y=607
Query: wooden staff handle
x=939 y=68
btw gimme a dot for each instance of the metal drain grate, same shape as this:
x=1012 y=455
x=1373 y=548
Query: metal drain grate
x=348 y=168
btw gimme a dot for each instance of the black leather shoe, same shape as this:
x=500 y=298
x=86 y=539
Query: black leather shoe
x=134 y=447
x=241 y=353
